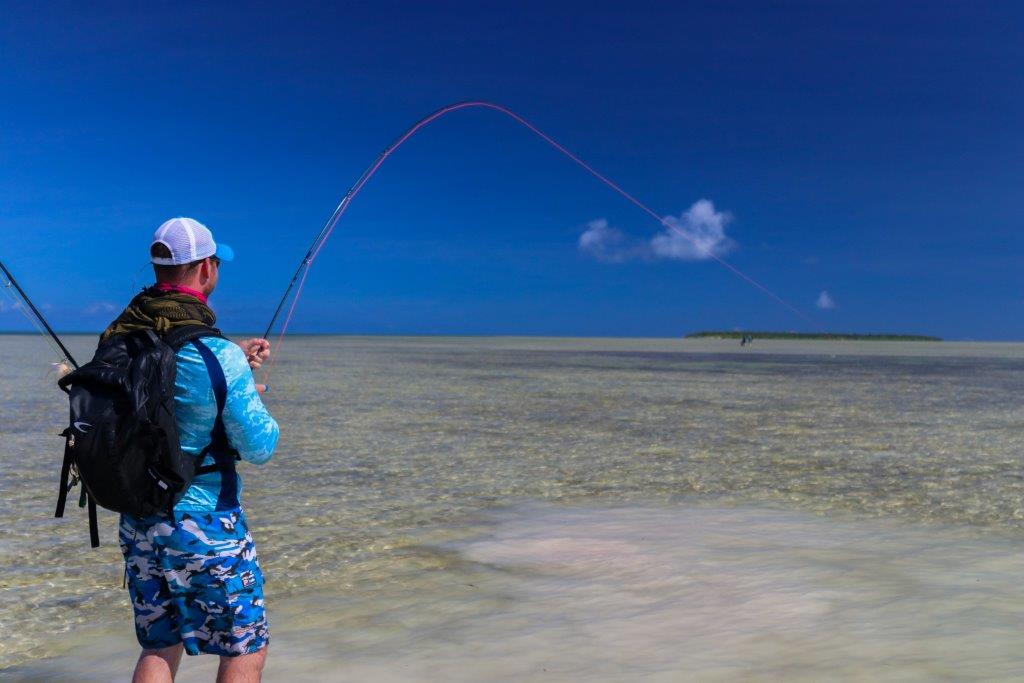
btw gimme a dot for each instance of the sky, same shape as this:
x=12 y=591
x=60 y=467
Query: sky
x=862 y=162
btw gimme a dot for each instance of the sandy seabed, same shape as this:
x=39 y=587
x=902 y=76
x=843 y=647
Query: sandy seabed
x=516 y=509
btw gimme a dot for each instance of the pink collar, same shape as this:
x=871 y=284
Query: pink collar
x=168 y=287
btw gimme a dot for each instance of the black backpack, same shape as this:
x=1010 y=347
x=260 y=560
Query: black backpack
x=122 y=440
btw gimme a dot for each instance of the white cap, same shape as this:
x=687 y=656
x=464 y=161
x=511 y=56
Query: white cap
x=188 y=240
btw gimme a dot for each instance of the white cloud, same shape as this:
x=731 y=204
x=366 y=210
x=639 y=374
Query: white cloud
x=606 y=243
x=825 y=301
x=8 y=307
x=100 y=307
x=695 y=235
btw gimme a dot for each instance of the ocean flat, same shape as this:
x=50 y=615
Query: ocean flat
x=509 y=508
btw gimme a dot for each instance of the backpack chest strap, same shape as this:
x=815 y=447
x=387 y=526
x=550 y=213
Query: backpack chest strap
x=219 y=447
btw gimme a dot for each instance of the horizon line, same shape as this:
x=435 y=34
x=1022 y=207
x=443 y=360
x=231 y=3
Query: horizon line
x=681 y=336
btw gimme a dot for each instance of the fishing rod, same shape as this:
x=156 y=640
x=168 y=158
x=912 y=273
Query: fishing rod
x=38 y=315
x=302 y=271
x=353 y=189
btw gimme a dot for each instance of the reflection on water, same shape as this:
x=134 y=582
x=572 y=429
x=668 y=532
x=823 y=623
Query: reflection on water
x=886 y=479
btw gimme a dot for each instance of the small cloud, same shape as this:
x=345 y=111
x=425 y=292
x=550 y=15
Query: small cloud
x=811 y=260
x=604 y=242
x=100 y=307
x=825 y=302
x=6 y=307
x=695 y=235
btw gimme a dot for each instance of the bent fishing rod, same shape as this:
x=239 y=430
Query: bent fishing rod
x=299 y=277
x=38 y=316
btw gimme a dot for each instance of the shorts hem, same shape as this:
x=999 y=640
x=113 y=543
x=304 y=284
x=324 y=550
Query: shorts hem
x=221 y=652
x=161 y=646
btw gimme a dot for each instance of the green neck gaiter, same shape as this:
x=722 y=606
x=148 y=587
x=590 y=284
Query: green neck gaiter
x=160 y=311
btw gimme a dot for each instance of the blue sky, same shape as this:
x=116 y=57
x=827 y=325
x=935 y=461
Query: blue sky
x=871 y=151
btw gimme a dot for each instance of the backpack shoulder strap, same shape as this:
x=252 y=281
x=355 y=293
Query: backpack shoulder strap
x=177 y=337
x=216 y=372
x=219 y=447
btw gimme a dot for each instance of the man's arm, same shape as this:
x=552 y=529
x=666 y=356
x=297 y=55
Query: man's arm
x=250 y=428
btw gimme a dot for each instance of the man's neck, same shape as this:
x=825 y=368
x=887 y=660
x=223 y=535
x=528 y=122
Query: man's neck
x=181 y=289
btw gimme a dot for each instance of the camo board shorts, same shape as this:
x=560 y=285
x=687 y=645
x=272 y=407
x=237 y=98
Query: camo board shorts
x=195 y=582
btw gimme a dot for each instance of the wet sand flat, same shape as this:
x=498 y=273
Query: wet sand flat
x=510 y=508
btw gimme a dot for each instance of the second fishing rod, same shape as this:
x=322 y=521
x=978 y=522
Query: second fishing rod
x=37 y=317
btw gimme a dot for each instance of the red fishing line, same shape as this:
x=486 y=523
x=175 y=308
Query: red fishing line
x=346 y=201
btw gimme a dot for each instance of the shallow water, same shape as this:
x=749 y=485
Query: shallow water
x=488 y=509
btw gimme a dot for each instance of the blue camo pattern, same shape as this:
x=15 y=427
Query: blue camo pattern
x=249 y=427
x=195 y=581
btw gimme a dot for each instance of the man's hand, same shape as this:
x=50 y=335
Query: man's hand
x=256 y=351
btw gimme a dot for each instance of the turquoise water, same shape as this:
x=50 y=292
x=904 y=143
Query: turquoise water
x=509 y=509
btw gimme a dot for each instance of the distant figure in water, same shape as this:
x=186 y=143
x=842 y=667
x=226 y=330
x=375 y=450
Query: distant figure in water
x=746 y=339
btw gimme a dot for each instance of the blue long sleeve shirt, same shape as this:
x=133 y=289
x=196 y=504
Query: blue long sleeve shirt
x=249 y=427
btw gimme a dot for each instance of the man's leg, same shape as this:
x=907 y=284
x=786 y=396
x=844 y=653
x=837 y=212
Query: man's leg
x=243 y=668
x=158 y=666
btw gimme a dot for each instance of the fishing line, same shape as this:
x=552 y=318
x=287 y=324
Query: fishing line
x=302 y=271
x=135 y=277
x=64 y=355
x=17 y=304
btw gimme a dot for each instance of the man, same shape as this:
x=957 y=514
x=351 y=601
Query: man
x=194 y=580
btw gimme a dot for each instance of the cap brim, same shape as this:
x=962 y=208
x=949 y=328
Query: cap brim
x=224 y=252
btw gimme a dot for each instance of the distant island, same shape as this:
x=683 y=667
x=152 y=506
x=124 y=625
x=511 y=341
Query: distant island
x=828 y=336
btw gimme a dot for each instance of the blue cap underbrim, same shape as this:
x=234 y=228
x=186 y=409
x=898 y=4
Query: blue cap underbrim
x=224 y=252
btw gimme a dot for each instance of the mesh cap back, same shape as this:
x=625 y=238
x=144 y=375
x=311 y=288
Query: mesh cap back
x=188 y=240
